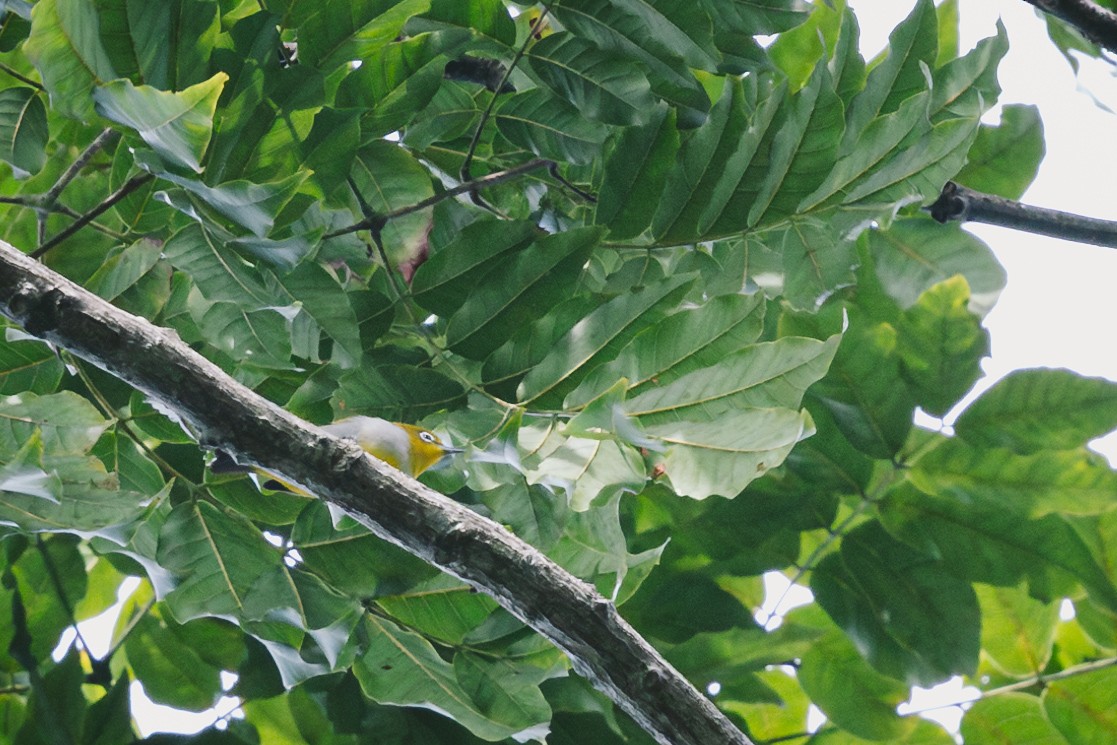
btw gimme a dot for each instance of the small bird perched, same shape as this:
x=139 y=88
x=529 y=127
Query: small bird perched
x=407 y=447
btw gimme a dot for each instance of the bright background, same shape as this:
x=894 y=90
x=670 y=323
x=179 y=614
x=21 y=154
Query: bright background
x=1061 y=297
x=1058 y=307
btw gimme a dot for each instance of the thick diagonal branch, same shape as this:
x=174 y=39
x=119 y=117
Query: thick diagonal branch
x=602 y=646
x=1096 y=23
x=958 y=203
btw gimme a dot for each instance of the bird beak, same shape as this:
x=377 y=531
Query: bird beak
x=448 y=450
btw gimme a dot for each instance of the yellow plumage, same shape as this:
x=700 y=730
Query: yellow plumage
x=409 y=448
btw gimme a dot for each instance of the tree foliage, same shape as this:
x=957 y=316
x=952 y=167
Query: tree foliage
x=671 y=287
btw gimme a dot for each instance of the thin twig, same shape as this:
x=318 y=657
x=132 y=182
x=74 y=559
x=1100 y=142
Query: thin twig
x=103 y=139
x=485 y=181
x=21 y=78
x=956 y=202
x=130 y=186
x=1096 y=23
x=465 y=175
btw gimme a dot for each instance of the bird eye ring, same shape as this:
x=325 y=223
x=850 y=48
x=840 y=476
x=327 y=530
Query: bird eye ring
x=427 y=437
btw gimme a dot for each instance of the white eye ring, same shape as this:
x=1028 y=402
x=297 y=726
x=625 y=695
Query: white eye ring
x=428 y=437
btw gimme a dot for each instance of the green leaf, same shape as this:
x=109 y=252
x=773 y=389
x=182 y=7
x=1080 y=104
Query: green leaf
x=178 y=126
x=254 y=206
x=599 y=85
x=941 y=345
x=334 y=32
x=770 y=374
x=1016 y=631
x=66 y=48
x=984 y=541
x=155 y=423
x=675 y=606
x=218 y=272
x=168 y=45
x=28 y=365
x=23 y=129
x=723 y=456
x=507 y=689
x=1071 y=481
x=1084 y=707
x=815 y=261
x=23 y=475
x=967 y=86
x=216 y=559
x=598 y=337
x=451 y=113
x=68 y=423
x=444 y=282
x=261 y=338
x=331 y=146
x=353 y=561
x=912 y=619
x=488 y=17
x=915 y=254
x=681 y=343
x=864 y=391
x=912 y=49
x=165 y=659
x=639 y=31
x=803 y=150
x=849 y=692
x=319 y=295
x=441 y=608
x=1011 y=717
x=1029 y=411
x=593 y=547
x=538 y=276
x=389 y=178
x=56 y=708
x=51 y=580
x=635 y=173
x=549 y=127
x=1005 y=158
x=590 y=469
x=396 y=392
x=401 y=668
x=124 y=271
x=135 y=471
x=394 y=83
x=709 y=179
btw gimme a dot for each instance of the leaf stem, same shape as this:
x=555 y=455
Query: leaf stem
x=130 y=186
x=373 y=221
x=487 y=113
x=107 y=137
x=21 y=78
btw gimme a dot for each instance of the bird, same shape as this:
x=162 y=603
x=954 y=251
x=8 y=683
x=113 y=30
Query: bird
x=406 y=447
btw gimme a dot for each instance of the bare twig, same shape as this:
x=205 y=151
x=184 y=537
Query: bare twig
x=956 y=202
x=130 y=186
x=105 y=138
x=465 y=175
x=21 y=77
x=1096 y=23
x=485 y=181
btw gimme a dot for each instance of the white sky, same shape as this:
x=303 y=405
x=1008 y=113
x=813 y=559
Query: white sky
x=1060 y=303
x=1061 y=300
